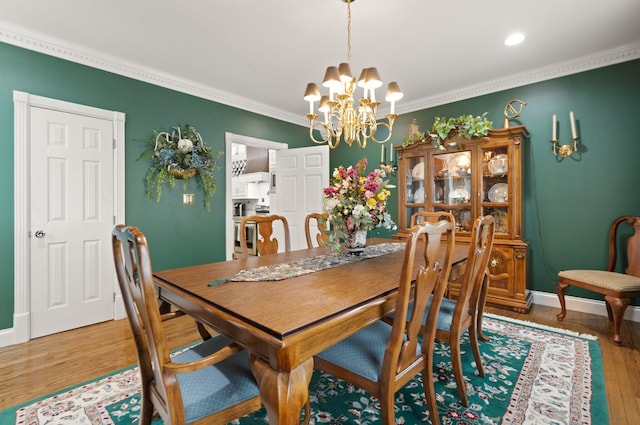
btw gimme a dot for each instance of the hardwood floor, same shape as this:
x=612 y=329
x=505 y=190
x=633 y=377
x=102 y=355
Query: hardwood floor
x=51 y=363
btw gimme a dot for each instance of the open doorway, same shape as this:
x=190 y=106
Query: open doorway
x=250 y=142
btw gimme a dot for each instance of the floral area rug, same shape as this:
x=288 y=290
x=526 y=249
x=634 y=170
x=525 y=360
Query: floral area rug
x=534 y=375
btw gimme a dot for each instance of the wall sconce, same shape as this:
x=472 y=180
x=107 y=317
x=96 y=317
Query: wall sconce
x=564 y=151
x=188 y=198
x=393 y=160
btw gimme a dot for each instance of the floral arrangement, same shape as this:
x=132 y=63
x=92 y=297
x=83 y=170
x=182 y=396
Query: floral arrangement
x=180 y=154
x=357 y=201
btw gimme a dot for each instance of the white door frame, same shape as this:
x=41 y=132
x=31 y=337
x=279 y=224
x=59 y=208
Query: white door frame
x=228 y=214
x=22 y=262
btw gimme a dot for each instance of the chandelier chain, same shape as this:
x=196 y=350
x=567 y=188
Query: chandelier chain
x=349 y=32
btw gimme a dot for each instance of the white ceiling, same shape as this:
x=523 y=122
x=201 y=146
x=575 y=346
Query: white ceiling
x=259 y=55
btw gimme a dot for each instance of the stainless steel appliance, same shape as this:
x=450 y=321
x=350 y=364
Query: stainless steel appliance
x=239 y=209
x=251 y=232
x=262 y=209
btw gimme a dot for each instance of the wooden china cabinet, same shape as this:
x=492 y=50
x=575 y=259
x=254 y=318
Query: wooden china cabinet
x=473 y=177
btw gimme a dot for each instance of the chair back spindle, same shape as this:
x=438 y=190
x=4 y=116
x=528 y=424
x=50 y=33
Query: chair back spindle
x=322 y=224
x=266 y=243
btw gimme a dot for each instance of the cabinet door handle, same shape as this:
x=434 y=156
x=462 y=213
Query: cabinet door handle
x=494 y=262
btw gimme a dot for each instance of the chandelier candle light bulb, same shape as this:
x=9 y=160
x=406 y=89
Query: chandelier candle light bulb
x=574 y=134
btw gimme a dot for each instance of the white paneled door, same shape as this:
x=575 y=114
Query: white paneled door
x=301 y=175
x=72 y=213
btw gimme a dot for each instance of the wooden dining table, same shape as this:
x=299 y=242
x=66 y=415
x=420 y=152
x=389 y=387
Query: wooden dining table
x=284 y=323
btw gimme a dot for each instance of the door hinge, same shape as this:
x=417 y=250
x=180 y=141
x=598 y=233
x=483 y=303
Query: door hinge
x=114 y=143
x=114 y=297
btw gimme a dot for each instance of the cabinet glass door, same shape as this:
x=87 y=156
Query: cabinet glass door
x=496 y=188
x=414 y=184
x=452 y=186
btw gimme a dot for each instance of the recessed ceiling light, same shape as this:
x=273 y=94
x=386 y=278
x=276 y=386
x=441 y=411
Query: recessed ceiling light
x=514 y=39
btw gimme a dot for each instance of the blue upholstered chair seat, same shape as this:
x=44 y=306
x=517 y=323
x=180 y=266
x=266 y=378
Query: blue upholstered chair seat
x=216 y=387
x=445 y=316
x=362 y=352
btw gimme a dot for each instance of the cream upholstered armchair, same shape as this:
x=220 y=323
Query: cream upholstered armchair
x=618 y=288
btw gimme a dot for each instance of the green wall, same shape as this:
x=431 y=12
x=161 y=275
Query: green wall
x=568 y=204
x=177 y=235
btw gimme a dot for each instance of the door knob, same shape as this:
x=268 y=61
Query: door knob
x=40 y=233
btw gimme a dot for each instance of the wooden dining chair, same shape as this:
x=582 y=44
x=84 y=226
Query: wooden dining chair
x=322 y=225
x=431 y=217
x=460 y=315
x=618 y=288
x=383 y=357
x=266 y=243
x=209 y=383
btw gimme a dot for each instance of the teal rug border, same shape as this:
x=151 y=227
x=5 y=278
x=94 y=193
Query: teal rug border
x=11 y=411
x=599 y=389
x=599 y=402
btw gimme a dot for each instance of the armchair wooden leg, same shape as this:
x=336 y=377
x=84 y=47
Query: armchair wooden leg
x=203 y=331
x=147 y=412
x=430 y=391
x=387 y=411
x=456 y=362
x=609 y=312
x=561 y=288
x=618 y=307
x=480 y=311
x=473 y=339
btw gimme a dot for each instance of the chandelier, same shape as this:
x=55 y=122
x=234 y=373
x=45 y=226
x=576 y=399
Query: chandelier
x=343 y=120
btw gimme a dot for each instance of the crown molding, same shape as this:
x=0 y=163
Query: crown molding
x=20 y=37
x=561 y=69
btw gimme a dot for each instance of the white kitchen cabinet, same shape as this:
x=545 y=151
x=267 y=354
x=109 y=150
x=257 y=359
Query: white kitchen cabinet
x=250 y=186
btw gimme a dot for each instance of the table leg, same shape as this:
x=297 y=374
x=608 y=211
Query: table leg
x=283 y=393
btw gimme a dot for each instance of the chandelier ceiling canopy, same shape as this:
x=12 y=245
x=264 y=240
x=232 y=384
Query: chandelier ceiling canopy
x=342 y=119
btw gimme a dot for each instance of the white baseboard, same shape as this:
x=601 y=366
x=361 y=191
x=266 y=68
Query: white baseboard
x=7 y=337
x=583 y=305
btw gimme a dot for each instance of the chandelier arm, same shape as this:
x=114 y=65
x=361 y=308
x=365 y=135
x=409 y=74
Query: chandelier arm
x=384 y=124
x=332 y=139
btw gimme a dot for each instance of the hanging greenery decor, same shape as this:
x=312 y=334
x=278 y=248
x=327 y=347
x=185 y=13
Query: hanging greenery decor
x=182 y=155
x=466 y=126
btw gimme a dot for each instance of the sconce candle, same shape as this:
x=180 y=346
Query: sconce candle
x=574 y=134
x=553 y=127
x=382 y=153
x=391 y=154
